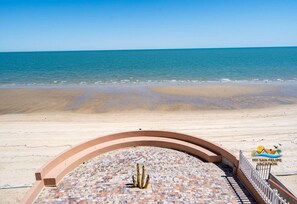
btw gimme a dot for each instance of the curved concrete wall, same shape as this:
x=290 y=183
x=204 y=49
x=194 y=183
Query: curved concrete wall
x=57 y=173
x=40 y=173
x=52 y=172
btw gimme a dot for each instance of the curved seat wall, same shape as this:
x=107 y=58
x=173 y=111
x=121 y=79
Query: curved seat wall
x=57 y=173
x=40 y=173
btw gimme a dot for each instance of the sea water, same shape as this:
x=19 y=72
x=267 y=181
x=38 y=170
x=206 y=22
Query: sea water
x=148 y=66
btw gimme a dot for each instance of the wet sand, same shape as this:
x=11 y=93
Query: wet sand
x=114 y=98
x=214 y=90
x=37 y=124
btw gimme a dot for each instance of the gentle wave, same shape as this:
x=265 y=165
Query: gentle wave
x=127 y=81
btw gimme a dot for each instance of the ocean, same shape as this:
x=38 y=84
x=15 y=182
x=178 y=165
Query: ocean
x=148 y=66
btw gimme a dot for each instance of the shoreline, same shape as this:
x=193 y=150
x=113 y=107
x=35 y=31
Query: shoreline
x=127 y=82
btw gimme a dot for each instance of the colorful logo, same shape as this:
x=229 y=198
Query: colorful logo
x=271 y=153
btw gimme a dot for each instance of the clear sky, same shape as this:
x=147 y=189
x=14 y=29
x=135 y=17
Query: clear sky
x=30 y=25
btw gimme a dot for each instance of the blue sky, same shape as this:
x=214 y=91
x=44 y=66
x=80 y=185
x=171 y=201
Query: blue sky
x=31 y=25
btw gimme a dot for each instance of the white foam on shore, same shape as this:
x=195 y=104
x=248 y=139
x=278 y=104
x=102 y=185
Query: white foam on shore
x=57 y=83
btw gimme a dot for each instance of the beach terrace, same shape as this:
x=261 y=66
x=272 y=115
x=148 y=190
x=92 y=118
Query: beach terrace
x=175 y=177
x=182 y=168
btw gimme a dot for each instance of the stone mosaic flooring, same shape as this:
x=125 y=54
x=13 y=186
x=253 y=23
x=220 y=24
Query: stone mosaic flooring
x=176 y=177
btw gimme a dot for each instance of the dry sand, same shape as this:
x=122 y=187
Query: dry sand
x=30 y=137
x=30 y=140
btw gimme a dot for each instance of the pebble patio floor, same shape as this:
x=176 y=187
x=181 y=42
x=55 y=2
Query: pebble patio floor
x=175 y=177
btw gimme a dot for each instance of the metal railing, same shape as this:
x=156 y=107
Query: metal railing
x=268 y=194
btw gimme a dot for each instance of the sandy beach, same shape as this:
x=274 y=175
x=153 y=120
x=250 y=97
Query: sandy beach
x=34 y=129
x=200 y=92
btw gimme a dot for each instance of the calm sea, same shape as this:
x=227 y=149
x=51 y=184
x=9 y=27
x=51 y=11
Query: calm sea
x=137 y=66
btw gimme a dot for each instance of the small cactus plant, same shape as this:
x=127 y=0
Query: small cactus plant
x=140 y=183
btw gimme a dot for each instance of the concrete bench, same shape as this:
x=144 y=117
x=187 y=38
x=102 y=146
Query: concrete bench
x=44 y=170
x=58 y=172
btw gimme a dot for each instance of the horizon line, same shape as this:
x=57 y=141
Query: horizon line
x=148 y=49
